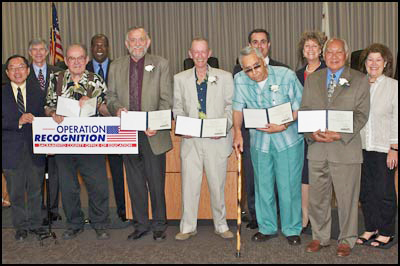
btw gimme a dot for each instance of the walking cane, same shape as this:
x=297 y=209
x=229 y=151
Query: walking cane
x=239 y=211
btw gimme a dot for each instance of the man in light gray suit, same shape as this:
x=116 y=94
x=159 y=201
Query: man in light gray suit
x=203 y=92
x=335 y=158
x=142 y=82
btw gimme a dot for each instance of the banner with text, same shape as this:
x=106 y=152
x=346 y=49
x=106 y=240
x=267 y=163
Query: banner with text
x=83 y=135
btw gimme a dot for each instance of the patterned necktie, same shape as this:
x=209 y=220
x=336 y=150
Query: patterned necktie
x=101 y=72
x=20 y=102
x=331 y=86
x=41 y=80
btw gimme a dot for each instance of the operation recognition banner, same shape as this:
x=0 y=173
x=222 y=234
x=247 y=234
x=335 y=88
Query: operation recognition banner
x=82 y=135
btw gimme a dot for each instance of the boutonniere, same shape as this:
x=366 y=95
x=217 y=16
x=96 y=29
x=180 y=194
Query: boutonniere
x=344 y=82
x=149 y=68
x=274 y=88
x=213 y=79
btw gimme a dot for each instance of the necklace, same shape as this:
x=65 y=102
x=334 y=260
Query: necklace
x=314 y=69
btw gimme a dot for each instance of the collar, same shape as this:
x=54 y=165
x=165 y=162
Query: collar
x=37 y=69
x=104 y=64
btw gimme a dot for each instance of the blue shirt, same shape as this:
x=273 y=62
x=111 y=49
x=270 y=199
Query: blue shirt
x=202 y=96
x=337 y=76
x=248 y=94
x=37 y=69
x=104 y=65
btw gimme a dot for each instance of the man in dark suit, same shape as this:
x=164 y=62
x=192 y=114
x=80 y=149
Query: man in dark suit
x=335 y=158
x=39 y=75
x=22 y=100
x=258 y=38
x=100 y=64
x=142 y=82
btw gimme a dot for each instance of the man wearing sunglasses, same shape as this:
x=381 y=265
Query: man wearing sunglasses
x=276 y=150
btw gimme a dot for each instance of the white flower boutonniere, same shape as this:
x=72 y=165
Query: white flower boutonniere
x=344 y=82
x=213 y=79
x=149 y=68
x=274 y=88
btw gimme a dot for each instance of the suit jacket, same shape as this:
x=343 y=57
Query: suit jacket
x=156 y=93
x=237 y=68
x=90 y=67
x=219 y=99
x=300 y=72
x=353 y=98
x=32 y=76
x=14 y=137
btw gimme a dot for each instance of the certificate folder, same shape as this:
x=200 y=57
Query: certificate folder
x=137 y=120
x=201 y=128
x=258 y=118
x=333 y=120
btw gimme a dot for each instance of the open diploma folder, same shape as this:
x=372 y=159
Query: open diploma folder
x=70 y=107
x=258 y=118
x=201 y=128
x=333 y=120
x=137 y=120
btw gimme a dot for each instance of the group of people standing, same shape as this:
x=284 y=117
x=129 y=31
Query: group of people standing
x=281 y=165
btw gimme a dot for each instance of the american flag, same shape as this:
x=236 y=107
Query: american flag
x=56 y=51
x=114 y=134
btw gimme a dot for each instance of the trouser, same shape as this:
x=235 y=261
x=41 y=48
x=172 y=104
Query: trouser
x=248 y=174
x=116 y=167
x=284 y=169
x=92 y=168
x=378 y=194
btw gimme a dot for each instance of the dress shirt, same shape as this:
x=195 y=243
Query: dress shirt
x=37 y=69
x=381 y=128
x=202 y=95
x=104 y=65
x=248 y=94
x=337 y=76
x=23 y=91
x=135 y=84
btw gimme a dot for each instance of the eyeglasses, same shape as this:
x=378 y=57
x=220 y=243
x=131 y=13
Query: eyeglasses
x=249 y=69
x=13 y=69
x=80 y=59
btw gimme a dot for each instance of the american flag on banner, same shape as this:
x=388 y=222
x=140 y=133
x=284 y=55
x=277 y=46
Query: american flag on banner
x=56 y=51
x=114 y=134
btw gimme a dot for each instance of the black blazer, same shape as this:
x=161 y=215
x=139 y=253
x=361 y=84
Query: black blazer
x=50 y=69
x=300 y=72
x=90 y=68
x=13 y=137
x=237 y=68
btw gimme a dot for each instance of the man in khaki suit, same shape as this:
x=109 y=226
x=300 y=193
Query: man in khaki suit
x=335 y=157
x=142 y=82
x=203 y=92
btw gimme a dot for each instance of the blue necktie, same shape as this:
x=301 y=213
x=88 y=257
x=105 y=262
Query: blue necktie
x=101 y=72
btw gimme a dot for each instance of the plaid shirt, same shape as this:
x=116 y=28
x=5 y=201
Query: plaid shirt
x=248 y=94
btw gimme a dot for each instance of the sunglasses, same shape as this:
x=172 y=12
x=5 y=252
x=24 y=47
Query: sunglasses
x=249 y=69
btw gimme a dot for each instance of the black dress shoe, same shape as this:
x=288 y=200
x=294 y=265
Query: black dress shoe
x=259 y=237
x=159 y=235
x=137 y=234
x=71 y=233
x=21 y=235
x=53 y=217
x=39 y=231
x=102 y=234
x=294 y=240
x=252 y=225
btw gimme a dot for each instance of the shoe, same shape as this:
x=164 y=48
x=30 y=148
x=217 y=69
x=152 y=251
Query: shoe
x=314 y=246
x=38 y=232
x=159 y=235
x=53 y=217
x=294 y=240
x=384 y=245
x=71 y=233
x=123 y=218
x=306 y=228
x=227 y=234
x=21 y=235
x=184 y=236
x=259 y=237
x=102 y=234
x=252 y=225
x=245 y=217
x=137 y=234
x=343 y=250
x=366 y=241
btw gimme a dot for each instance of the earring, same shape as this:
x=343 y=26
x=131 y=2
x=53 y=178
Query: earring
x=384 y=65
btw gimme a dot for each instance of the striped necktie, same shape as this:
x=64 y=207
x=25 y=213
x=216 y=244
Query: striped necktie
x=41 y=80
x=20 y=102
x=331 y=86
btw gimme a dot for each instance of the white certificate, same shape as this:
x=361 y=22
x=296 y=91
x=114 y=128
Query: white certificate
x=68 y=107
x=89 y=108
x=188 y=126
x=311 y=120
x=280 y=114
x=134 y=120
x=159 y=120
x=214 y=127
x=340 y=121
x=255 y=118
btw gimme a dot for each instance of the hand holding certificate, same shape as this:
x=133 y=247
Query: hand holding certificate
x=258 y=118
x=201 y=128
x=333 y=120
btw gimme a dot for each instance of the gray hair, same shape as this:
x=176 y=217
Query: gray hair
x=136 y=28
x=249 y=50
x=346 y=47
x=79 y=45
x=37 y=41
